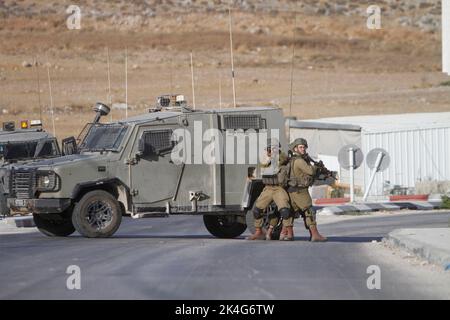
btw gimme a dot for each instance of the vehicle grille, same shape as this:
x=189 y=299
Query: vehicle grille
x=23 y=184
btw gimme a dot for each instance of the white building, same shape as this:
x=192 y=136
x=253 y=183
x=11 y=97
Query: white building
x=418 y=146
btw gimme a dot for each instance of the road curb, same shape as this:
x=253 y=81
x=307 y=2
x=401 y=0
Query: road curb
x=18 y=222
x=378 y=206
x=432 y=245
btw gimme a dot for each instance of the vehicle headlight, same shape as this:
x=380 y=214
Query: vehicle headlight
x=47 y=181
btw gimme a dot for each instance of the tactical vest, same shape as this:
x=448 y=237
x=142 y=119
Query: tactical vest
x=271 y=180
x=280 y=178
x=302 y=181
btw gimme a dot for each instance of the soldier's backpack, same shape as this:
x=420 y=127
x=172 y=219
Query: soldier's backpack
x=287 y=176
x=284 y=174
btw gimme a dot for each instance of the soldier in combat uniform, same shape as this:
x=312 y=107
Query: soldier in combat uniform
x=273 y=191
x=302 y=175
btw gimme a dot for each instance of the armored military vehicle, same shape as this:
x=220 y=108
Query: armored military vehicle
x=165 y=162
x=28 y=143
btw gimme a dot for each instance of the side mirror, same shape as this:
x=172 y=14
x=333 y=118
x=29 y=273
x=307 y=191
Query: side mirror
x=69 y=146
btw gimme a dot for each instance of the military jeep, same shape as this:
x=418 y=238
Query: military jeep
x=26 y=144
x=128 y=168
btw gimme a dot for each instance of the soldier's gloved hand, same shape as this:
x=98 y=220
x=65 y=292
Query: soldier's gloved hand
x=266 y=160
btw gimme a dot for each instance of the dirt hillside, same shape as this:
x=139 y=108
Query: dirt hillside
x=341 y=66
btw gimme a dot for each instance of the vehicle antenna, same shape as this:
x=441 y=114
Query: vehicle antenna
x=36 y=66
x=126 y=83
x=292 y=76
x=231 y=53
x=220 y=89
x=192 y=75
x=292 y=67
x=109 y=83
x=51 y=97
x=171 y=76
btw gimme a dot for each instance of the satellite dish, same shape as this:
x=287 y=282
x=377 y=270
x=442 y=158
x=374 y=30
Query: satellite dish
x=372 y=156
x=343 y=156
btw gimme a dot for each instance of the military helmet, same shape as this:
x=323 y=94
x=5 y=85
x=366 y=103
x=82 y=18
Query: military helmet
x=297 y=142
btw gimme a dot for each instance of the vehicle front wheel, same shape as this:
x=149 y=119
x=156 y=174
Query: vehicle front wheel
x=97 y=215
x=54 y=225
x=227 y=227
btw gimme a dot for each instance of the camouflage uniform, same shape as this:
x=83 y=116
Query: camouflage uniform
x=302 y=176
x=300 y=197
x=273 y=191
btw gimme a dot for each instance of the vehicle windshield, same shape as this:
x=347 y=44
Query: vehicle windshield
x=103 y=137
x=25 y=150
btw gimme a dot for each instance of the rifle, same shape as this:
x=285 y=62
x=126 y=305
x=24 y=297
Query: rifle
x=322 y=172
x=321 y=169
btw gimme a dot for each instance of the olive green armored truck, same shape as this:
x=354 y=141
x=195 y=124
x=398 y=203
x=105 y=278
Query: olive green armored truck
x=172 y=160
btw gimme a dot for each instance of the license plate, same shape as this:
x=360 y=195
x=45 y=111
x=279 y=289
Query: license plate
x=20 y=203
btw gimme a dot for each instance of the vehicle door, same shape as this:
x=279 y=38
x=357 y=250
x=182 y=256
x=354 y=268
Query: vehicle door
x=154 y=175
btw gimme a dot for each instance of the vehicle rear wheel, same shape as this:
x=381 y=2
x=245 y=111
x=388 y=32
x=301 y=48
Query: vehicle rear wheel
x=54 y=225
x=97 y=215
x=227 y=227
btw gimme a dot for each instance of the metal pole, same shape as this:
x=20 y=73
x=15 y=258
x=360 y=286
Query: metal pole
x=351 y=157
x=171 y=76
x=192 y=76
x=126 y=83
x=372 y=176
x=109 y=83
x=36 y=65
x=220 y=90
x=232 y=58
x=292 y=68
x=51 y=97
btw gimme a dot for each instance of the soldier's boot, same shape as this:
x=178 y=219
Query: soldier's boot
x=315 y=235
x=283 y=233
x=306 y=227
x=290 y=234
x=285 y=213
x=258 y=235
x=269 y=233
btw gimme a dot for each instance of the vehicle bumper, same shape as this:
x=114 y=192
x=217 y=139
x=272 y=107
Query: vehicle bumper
x=38 y=205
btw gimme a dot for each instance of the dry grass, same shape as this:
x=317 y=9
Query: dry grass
x=341 y=67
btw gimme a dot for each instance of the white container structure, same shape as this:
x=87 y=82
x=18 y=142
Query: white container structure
x=418 y=146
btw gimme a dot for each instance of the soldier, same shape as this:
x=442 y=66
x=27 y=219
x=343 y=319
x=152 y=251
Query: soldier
x=273 y=191
x=301 y=178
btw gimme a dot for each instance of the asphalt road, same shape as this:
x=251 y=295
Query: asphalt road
x=176 y=258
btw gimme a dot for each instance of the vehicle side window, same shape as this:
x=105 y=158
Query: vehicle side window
x=47 y=149
x=156 y=142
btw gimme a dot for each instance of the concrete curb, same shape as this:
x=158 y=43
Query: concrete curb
x=18 y=222
x=378 y=206
x=432 y=244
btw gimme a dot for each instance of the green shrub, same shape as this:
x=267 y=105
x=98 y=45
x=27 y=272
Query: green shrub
x=445 y=202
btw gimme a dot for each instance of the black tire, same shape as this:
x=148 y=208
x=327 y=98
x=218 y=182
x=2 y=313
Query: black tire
x=55 y=225
x=226 y=227
x=97 y=215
